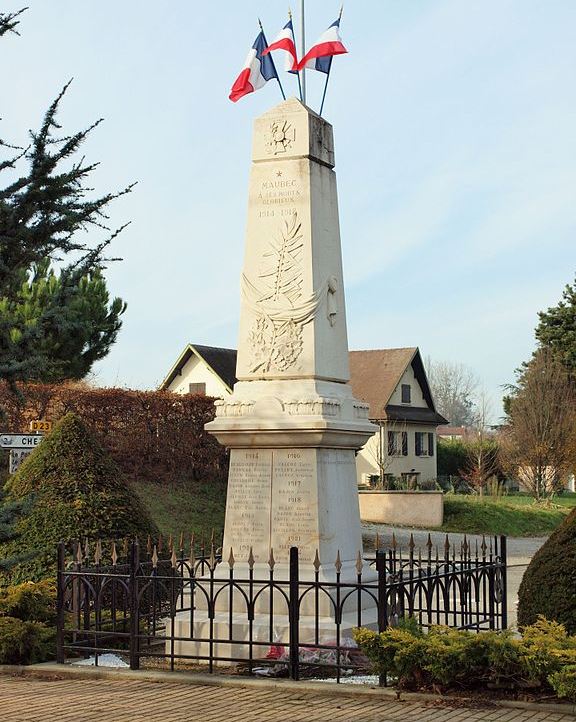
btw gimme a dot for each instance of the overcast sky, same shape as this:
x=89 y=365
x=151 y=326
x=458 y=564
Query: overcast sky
x=455 y=129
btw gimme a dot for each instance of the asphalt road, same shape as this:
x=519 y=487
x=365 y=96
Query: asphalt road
x=520 y=552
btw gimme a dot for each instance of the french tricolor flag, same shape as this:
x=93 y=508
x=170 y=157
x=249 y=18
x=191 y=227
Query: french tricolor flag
x=285 y=41
x=320 y=55
x=258 y=70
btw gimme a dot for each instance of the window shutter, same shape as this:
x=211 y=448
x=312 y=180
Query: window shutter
x=430 y=444
x=404 y=443
x=390 y=443
x=418 y=438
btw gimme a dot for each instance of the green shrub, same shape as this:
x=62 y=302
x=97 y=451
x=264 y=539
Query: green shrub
x=30 y=602
x=25 y=642
x=545 y=648
x=452 y=658
x=548 y=587
x=77 y=491
x=563 y=683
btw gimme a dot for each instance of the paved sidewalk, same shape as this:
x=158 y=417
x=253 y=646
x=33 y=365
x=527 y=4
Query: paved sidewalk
x=26 y=699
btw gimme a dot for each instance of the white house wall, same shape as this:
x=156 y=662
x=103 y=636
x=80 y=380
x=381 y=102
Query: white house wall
x=196 y=371
x=367 y=458
x=417 y=397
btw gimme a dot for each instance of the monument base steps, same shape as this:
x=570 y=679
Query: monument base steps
x=222 y=648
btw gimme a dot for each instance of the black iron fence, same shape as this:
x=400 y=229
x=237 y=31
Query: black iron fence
x=180 y=610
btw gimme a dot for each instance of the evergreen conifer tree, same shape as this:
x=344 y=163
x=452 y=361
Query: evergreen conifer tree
x=556 y=330
x=41 y=215
x=9 y=21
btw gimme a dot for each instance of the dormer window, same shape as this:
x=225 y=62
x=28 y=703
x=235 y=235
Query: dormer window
x=406 y=393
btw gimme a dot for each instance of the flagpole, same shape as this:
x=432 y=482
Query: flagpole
x=325 y=87
x=297 y=74
x=272 y=59
x=328 y=73
x=303 y=49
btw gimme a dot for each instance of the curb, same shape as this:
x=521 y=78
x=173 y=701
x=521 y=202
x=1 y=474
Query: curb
x=323 y=688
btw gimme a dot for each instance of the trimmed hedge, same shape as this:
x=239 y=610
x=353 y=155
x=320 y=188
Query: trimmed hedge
x=27 y=616
x=548 y=587
x=75 y=490
x=542 y=660
x=154 y=435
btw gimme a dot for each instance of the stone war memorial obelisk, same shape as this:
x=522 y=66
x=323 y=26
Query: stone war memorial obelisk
x=292 y=424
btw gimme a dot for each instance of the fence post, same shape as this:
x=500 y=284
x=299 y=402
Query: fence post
x=294 y=611
x=134 y=606
x=60 y=604
x=504 y=561
x=382 y=601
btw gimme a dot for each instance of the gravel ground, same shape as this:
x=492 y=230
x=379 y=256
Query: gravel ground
x=520 y=551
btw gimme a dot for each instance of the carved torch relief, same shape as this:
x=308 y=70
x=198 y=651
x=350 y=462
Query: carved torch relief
x=279 y=305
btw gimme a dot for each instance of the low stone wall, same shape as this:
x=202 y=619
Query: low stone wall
x=423 y=509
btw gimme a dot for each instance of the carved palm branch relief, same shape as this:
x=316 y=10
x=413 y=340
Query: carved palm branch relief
x=282 y=268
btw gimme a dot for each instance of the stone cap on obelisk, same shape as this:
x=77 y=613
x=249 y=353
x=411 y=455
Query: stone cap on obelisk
x=292 y=130
x=293 y=320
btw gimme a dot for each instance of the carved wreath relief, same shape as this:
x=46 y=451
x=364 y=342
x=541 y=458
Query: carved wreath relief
x=277 y=301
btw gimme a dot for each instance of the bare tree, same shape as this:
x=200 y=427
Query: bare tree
x=454 y=388
x=482 y=454
x=539 y=442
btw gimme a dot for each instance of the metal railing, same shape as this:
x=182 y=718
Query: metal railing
x=291 y=620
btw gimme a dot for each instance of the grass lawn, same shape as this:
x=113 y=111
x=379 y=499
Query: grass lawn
x=510 y=515
x=188 y=507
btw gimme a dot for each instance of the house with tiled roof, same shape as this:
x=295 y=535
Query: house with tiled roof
x=392 y=381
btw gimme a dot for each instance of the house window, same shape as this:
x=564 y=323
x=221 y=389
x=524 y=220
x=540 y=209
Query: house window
x=420 y=440
x=406 y=393
x=424 y=443
x=397 y=443
x=199 y=389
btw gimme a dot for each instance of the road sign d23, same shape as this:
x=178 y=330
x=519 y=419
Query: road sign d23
x=41 y=425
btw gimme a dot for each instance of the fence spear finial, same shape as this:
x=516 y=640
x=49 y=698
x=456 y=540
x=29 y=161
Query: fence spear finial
x=98 y=553
x=316 y=562
x=338 y=563
x=79 y=553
